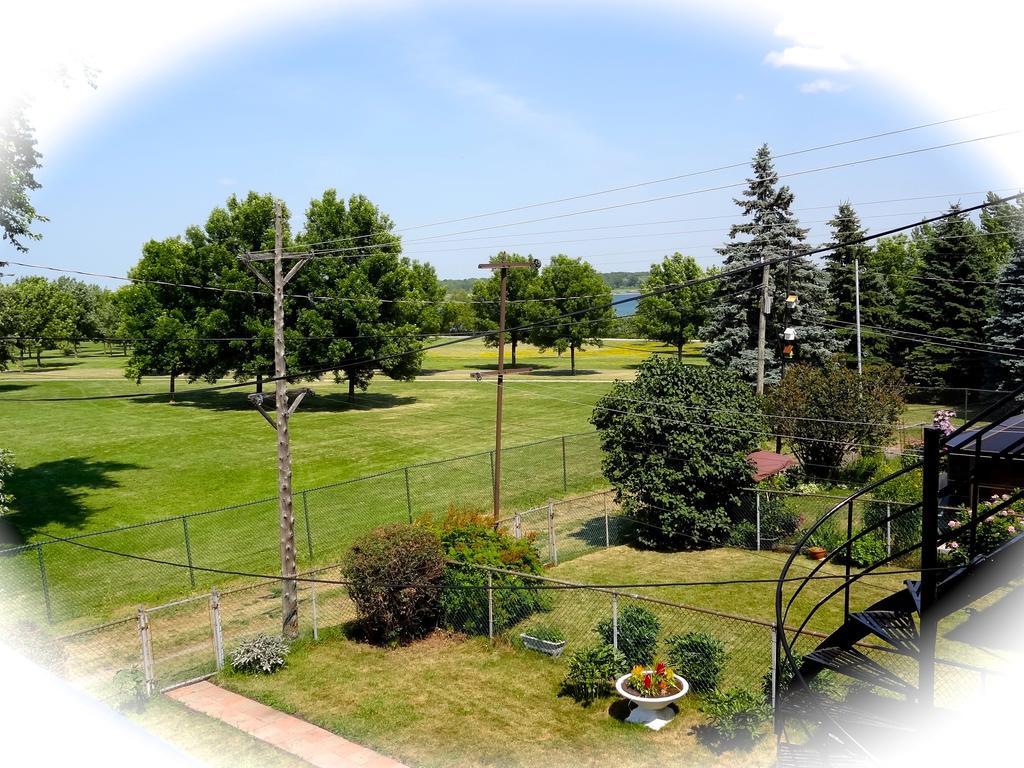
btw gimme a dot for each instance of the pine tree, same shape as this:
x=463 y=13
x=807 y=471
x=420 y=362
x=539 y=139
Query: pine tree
x=1006 y=327
x=877 y=304
x=774 y=232
x=951 y=297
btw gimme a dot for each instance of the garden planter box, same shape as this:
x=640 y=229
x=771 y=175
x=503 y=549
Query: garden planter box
x=816 y=553
x=550 y=647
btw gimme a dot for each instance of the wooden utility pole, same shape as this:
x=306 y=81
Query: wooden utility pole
x=504 y=267
x=762 y=325
x=282 y=413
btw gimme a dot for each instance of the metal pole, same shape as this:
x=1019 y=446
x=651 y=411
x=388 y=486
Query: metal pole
x=501 y=392
x=45 y=582
x=552 y=545
x=775 y=667
x=408 y=496
x=929 y=560
x=316 y=626
x=517 y=526
x=490 y=608
x=615 y=621
x=565 y=469
x=888 y=530
x=218 y=635
x=148 y=672
x=757 y=505
x=848 y=558
x=856 y=291
x=607 y=536
x=762 y=325
x=188 y=552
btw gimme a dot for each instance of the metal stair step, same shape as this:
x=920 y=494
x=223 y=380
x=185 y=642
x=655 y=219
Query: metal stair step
x=815 y=707
x=853 y=663
x=802 y=756
x=914 y=588
x=897 y=628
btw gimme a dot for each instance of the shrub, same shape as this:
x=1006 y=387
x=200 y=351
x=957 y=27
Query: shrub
x=545 y=632
x=778 y=521
x=829 y=536
x=824 y=682
x=591 y=672
x=994 y=530
x=468 y=536
x=638 y=634
x=735 y=713
x=261 y=654
x=866 y=552
x=699 y=658
x=744 y=535
x=131 y=688
x=395 y=574
x=890 y=498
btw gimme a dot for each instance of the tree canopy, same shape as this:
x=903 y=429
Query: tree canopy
x=520 y=289
x=1006 y=327
x=19 y=160
x=676 y=316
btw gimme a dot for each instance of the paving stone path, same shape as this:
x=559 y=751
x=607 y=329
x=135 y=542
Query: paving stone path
x=314 y=745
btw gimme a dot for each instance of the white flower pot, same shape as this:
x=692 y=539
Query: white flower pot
x=654 y=712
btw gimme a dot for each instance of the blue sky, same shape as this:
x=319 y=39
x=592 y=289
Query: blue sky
x=447 y=112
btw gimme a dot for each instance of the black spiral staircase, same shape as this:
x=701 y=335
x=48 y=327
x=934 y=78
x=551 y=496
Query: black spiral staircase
x=885 y=655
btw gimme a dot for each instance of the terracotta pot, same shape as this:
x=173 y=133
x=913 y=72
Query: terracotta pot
x=816 y=553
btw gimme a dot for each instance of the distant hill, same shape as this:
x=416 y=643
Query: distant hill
x=617 y=281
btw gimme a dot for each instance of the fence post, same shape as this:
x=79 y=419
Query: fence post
x=188 y=552
x=757 y=512
x=775 y=665
x=490 y=608
x=517 y=526
x=552 y=544
x=888 y=530
x=408 y=495
x=615 y=621
x=148 y=673
x=218 y=635
x=607 y=536
x=565 y=468
x=45 y=582
x=309 y=531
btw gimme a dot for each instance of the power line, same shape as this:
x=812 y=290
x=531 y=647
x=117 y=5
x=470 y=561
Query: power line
x=942 y=341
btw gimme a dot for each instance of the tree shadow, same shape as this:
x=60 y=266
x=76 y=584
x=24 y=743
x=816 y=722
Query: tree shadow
x=13 y=387
x=592 y=532
x=238 y=400
x=708 y=736
x=987 y=628
x=54 y=492
x=566 y=372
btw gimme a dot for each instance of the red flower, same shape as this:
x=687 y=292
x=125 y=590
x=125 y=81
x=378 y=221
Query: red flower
x=660 y=668
x=647 y=680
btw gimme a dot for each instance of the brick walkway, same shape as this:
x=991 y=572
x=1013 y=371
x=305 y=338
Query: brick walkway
x=314 y=745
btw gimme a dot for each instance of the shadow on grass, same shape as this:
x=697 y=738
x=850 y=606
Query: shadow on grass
x=237 y=400
x=566 y=372
x=13 y=387
x=53 y=492
x=714 y=741
x=986 y=628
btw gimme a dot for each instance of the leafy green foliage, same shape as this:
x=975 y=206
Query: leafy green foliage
x=568 y=286
x=889 y=499
x=468 y=536
x=675 y=441
x=824 y=682
x=19 y=160
x=591 y=672
x=829 y=412
x=1001 y=519
x=736 y=713
x=638 y=633
x=395 y=574
x=673 y=317
x=829 y=536
x=130 y=684
x=1006 y=326
x=487 y=294
x=545 y=632
x=6 y=470
x=698 y=657
x=261 y=654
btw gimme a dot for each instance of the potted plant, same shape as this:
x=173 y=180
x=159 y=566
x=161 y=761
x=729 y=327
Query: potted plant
x=652 y=691
x=544 y=638
x=824 y=540
x=816 y=553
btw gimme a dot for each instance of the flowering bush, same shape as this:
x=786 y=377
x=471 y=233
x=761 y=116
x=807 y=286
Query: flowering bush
x=653 y=683
x=261 y=654
x=942 y=420
x=995 y=529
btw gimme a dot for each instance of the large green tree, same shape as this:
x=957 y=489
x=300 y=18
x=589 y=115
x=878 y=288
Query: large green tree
x=675 y=441
x=877 y=304
x=571 y=308
x=1006 y=327
x=19 y=160
x=676 y=316
x=41 y=316
x=486 y=305
x=770 y=231
x=952 y=296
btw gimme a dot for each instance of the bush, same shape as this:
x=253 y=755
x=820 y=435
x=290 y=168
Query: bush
x=735 y=713
x=824 y=682
x=744 y=535
x=395 y=575
x=261 y=654
x=591 y=672
x=829 y=536
x=993 y=530
x=699 y=658
x=131 y=688
x=638 y=634
x=866 y=552
x=890 y=498
x=468 y=536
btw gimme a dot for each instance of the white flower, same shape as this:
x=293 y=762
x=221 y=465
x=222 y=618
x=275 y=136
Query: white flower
x=1012 y=529
x=953 y=545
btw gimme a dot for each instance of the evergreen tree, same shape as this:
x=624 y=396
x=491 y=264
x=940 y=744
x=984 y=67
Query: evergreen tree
x=951 y=297
x=876 y=300
x=1001 y=226
x=673 y=317
x=1006 y=327
x=773 y=232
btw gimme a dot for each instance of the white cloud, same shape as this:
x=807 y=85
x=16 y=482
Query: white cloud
x=806 y=57
x=822 y=85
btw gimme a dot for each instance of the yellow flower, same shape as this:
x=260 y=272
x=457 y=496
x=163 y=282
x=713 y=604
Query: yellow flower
x=670 y=673
x=638 y=670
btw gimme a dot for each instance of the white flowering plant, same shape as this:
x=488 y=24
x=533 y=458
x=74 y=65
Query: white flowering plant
x=999 y=521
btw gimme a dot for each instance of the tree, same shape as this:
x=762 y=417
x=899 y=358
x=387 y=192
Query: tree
x=774 y=232
x=1006 y=327
x=674 y=317
x=675 y=441
x=7 y=327
x=951 y=297
x=41 y=315
x=571 y=308
x=1001 y=226
x=18 y=161
x=830 y=412
x=486 y=301
x=876 y=301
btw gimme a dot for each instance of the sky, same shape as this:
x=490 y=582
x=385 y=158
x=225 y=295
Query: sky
x=446 y=110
